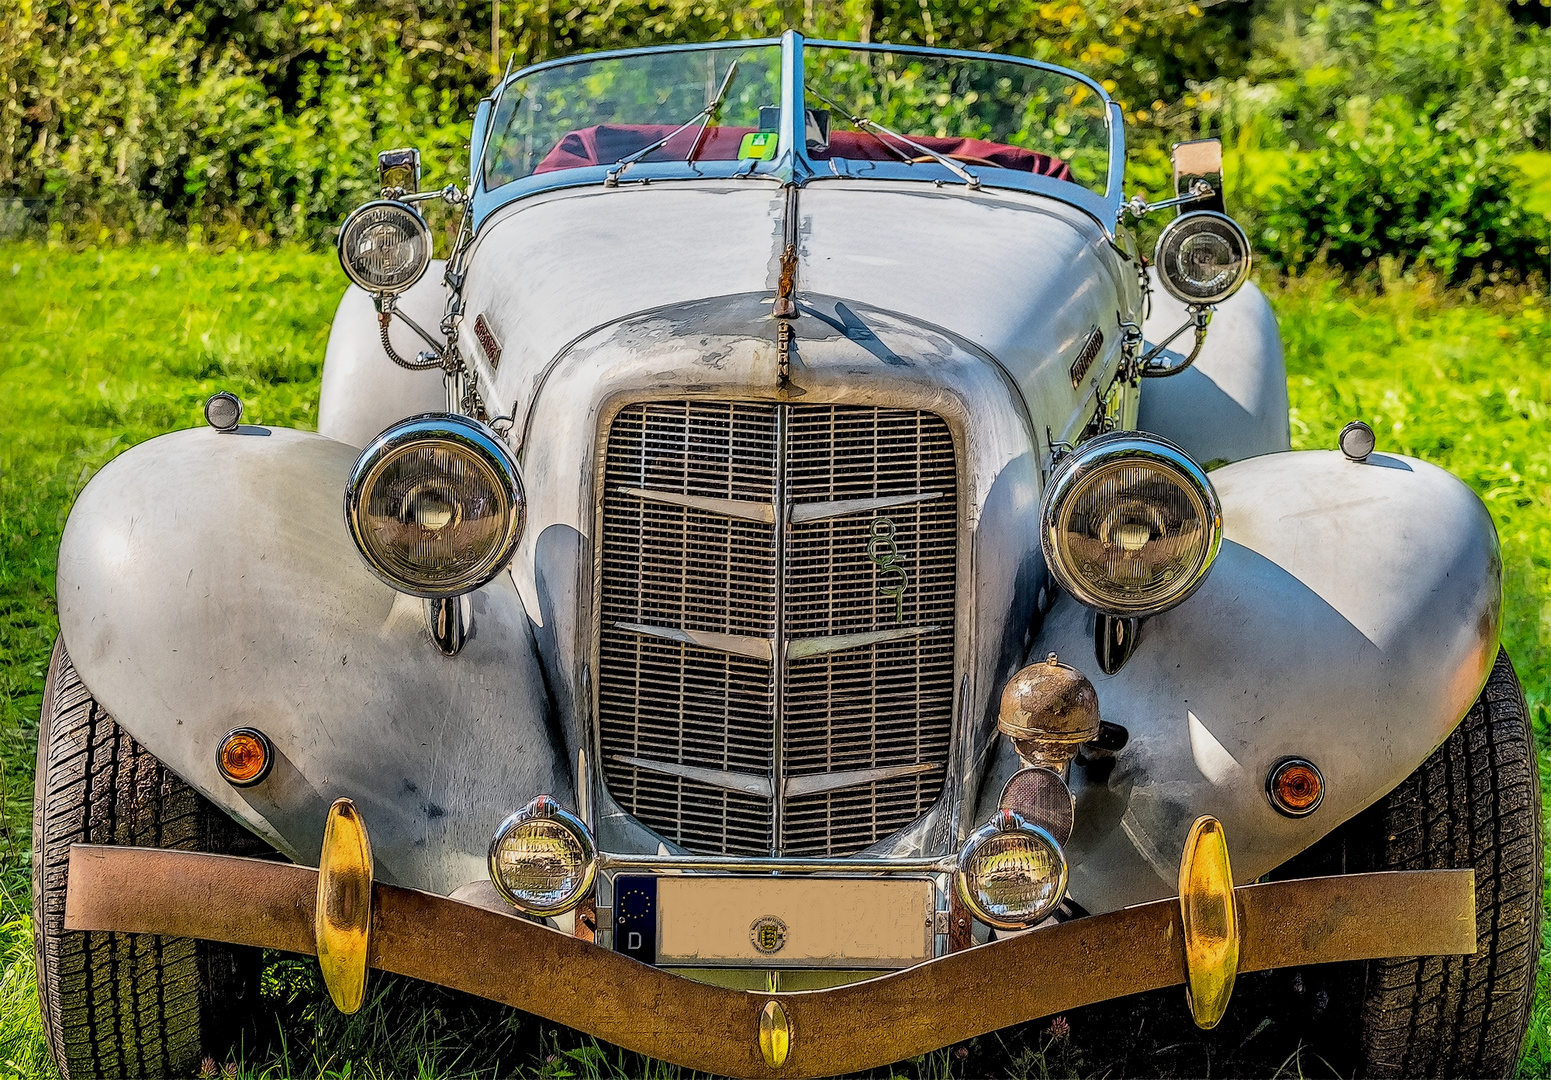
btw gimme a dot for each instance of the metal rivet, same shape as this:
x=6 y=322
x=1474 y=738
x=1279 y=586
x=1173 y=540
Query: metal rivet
x=223 y=411
x=775 y=1034
x=1357 y=441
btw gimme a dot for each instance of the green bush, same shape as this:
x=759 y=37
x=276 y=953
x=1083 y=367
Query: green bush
x=1392 y=182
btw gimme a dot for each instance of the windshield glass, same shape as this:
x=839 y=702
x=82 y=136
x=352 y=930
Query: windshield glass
x=981 y=113
x=600 y=112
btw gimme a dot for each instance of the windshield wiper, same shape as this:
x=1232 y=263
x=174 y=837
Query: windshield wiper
x=713 y=112
x=872 y=127
x=704 y=114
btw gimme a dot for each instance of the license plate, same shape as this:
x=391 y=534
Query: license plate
x=696 y=921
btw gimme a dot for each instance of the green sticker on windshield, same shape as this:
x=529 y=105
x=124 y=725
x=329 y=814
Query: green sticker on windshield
x=759 y=145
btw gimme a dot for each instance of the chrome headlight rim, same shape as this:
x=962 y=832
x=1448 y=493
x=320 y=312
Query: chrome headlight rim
x=546 y=808
x=417 y=222
x=1184 y=222
x=469 y=434
x=1104 y=451
x=1003 y=822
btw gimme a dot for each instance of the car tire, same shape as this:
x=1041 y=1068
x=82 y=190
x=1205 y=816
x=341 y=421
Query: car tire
x=125 y=1005
x=1474 y=803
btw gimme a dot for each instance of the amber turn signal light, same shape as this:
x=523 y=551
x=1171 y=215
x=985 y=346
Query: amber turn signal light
x=1295 y=787
x=244 y=757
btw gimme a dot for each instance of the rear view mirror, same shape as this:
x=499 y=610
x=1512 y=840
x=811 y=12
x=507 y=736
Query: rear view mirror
x=1199 y=162
x=399 y=171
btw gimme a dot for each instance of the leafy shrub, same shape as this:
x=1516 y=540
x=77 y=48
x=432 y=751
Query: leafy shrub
x=1397 y=183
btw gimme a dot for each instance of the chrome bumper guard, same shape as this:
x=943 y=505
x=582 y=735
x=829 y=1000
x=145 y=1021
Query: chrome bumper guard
x=746 y=1034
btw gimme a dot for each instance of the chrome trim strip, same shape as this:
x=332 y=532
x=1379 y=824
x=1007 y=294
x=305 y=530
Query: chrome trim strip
x=733 y=864
x=726 y=779
x=748 y=510
x=818 y=646
x=756 y=647
x=817 y=783
x=819 y=511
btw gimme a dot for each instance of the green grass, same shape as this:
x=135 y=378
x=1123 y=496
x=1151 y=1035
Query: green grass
x=107 y=349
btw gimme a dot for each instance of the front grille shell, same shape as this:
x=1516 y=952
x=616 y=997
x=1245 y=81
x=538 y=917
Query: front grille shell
x=878 y=706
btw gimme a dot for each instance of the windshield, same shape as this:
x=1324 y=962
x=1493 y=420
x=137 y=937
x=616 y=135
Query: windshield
x=866 y=111
x=603 y=111
x=982 y=113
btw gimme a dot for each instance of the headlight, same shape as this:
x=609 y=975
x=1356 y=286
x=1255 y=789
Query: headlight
x=385 y=246
x=1129 y=524
x=1202 y=257
x=542 y=859
x=1011 y=874
x=435 y=505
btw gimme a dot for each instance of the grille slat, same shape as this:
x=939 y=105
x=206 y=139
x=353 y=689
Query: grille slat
x=881 y=705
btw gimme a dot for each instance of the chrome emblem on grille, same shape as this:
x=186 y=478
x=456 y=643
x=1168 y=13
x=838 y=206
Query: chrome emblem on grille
x=892 y=580
x=768 y=934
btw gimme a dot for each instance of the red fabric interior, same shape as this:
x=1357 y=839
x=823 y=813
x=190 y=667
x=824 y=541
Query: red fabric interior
x=605 y=144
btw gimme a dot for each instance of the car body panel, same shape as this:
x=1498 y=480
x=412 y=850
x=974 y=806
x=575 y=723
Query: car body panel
x=1351 y=619
x=207 y=582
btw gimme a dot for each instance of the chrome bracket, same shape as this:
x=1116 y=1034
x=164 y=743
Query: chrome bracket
x=1149 y=366
x=447 y=622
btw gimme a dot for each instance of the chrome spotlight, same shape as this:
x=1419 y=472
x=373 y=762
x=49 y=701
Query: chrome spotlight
x=1130 y=524
x=543 y=860
x=385 y=246
x=1011 y=874
x=435 y=505
x=1202 y=257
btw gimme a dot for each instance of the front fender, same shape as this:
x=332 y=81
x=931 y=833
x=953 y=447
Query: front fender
x=1351 y=619
x=207 y=582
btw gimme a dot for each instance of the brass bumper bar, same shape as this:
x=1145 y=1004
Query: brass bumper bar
x=715 y=1030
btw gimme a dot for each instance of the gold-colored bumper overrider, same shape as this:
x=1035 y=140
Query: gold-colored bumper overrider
x=806 y=1034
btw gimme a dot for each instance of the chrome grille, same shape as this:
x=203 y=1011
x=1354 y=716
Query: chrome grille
x=701 y=590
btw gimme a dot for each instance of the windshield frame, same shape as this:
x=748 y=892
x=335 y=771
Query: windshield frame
x=791 y=164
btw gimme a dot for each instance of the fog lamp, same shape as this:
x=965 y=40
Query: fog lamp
x=1130 y=524
x=435 y=505
x=1202 y=257
x=385 y=246
x=542 y=859
x=1011 y=874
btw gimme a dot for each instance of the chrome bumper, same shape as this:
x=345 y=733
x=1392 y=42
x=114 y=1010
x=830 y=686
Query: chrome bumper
x=735 y=1033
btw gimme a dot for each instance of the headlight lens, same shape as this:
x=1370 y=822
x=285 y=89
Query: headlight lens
x=1011 y=874
x=1202 y=257
x=385 y=246
x=435 y=505
x=542 y=859
x=1130 y=524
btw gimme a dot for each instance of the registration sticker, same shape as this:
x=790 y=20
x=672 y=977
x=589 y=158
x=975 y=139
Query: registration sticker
x=758 y=146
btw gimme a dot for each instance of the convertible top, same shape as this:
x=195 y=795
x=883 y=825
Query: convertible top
x=604 y=144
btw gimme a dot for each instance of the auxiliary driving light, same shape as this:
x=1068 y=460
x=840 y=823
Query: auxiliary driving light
x=1011 y=874
x=436 y=505
x=385 y=246
x=542 y=859
x=1202 y=257
x=1130 y=524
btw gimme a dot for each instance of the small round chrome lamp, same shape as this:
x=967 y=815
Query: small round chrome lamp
x=1202 y=257
x=543 y=860
x=385 y=246
x=1011 y=874
x=1357 y=441
x=223 y=411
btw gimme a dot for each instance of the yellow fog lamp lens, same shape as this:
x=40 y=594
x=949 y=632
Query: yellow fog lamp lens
x=542 y=859
x=1011 y=874
x=435 y=505
x=1130 y=524
x=385 y=246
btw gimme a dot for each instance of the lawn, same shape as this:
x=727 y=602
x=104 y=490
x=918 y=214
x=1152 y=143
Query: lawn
x=104 y=349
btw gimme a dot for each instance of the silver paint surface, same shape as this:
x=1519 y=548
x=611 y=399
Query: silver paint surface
x=1351 y=619
x=206 y=582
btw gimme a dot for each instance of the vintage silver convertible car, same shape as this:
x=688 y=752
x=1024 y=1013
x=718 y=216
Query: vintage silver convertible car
x=797 y=587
